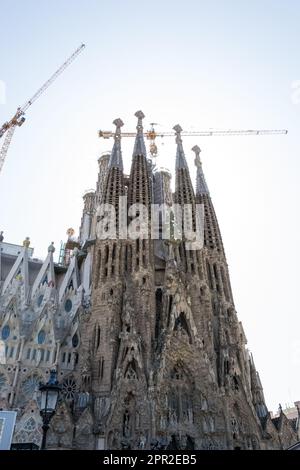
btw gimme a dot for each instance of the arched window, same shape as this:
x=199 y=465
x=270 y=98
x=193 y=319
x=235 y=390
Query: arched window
x=216 y=276
x=75 y=340
x=5 y=332
x=68 y=305
x=114 y=252
x=98 y=337
x=40 y=300
x=41 y=337
x=106 y=254
x=180 y=398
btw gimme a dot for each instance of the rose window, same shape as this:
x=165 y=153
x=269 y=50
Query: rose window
x=30 y=385
x=69 y=388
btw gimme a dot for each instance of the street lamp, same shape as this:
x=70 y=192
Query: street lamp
x=49 y=397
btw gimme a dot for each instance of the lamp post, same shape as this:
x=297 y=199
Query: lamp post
x=49 y=397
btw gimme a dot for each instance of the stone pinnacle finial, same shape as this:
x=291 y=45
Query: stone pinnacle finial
x=140 y=115
x=178 y=130
x=197 y=150
x=118 y=123
x=139 y=145
x=116 y=155
x=51 y=248
x=180 y=157
x=201 y=185
x=1 y=236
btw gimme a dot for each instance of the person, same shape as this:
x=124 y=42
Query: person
x=26 y=242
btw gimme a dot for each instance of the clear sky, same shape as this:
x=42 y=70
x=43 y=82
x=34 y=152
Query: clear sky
x=218 y=64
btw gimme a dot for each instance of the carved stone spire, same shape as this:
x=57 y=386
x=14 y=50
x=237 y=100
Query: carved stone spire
x=184 y=196
x=116 y=160
x=180 y=157
x=184 y=192
x=201 y=185
x=139 y=145
x=114 y=183
x=139 y=185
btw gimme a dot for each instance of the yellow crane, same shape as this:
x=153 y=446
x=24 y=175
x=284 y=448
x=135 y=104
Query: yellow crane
x=151 y=134
x=9 y=127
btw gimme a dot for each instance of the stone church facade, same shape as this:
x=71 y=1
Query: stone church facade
x=143 y=334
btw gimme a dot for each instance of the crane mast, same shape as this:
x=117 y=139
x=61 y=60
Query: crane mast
x=18 y=119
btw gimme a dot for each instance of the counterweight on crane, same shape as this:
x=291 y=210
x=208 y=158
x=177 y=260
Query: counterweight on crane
x=151 y=134
x=18 y=119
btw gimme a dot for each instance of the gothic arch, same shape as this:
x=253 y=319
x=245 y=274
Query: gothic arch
x=131 y=371
x=181 y=325
x=29 y=426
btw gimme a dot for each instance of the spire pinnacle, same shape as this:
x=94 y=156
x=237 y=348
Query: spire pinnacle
x=201 y=185
x=197 y=151
x=140 y=115
x=116 y=154
x=139 y=145
x=180 y=157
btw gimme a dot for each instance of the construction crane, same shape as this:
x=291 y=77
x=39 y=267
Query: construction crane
x=18 y=119
x=151 y=134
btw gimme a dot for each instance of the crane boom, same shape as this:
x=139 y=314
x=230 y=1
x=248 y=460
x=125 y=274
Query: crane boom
x=152 y=134
x=52 y=78
x=18 y=119
x=208 y=133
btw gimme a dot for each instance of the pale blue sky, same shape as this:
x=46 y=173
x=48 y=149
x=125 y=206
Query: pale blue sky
x=222 y=64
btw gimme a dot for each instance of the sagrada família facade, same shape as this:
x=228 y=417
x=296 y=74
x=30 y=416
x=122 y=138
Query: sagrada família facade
x=143 y=333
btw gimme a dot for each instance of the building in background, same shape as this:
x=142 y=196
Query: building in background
x=143 y=334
